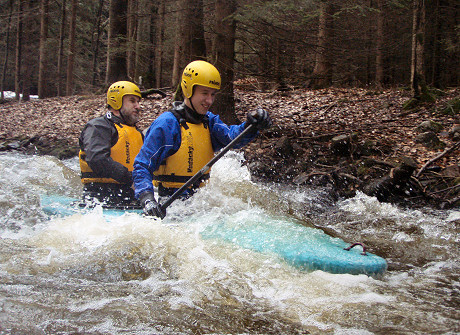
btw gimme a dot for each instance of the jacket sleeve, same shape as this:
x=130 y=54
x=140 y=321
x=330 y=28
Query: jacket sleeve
x=163 y=139
x=96 y=140
x=222 y=134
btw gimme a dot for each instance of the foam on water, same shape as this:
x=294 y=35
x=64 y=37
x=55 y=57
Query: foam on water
x=85 y=273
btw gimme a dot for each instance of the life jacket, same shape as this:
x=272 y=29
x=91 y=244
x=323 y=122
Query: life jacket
x=194 y=152
x=124 y=151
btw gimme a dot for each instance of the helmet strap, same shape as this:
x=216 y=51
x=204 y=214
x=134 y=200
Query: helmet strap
x=193 y=107
x=119 y=114
x=191 y=104
x=122 y=116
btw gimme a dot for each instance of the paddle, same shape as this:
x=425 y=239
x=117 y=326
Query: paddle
x=205 y=168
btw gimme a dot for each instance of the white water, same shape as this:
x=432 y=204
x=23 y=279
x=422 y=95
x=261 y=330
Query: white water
x=137 y=275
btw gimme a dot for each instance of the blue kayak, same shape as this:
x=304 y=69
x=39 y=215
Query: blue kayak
x=304 y=247
x=57 y=205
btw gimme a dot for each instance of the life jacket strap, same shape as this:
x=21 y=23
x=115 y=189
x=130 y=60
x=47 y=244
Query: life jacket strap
x=178 y=179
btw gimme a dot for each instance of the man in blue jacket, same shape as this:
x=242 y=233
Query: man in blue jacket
x=182 y=140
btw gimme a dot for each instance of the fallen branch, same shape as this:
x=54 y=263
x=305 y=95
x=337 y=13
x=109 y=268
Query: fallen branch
x=452 y=148
x=446 y=189
x=303 y=178
x=146 y=93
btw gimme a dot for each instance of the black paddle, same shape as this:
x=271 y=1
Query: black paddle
x=205 y=168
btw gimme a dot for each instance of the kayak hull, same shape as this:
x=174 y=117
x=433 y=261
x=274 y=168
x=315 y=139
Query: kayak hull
x=304 y=247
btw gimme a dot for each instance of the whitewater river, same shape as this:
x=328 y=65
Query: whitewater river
x=82 y=274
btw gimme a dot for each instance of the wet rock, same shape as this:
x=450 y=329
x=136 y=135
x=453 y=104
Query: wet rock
x=430 y=140
x=342 y=145
x=451 y=171
x=283 y=147
x=430 y=126
x=454 y=132
x=368 y=148
x=40 y=146
x=453 y=107
x=15 y=145
x=396 y=183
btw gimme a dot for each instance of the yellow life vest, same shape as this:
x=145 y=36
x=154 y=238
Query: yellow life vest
x=124 y=151
x=194 y=152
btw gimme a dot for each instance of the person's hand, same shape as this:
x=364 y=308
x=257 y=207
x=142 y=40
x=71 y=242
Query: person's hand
x=259 y=118
x=151 y=206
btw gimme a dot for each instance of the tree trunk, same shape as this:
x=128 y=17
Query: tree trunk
x=263 y=65
x=379 y=46
x=223 y=56
x=160 y=27
x=71 y=56
x=116 y=50
x=181 y=51
x=418 y=36
x=61 y=48
x=96 y=43
x=322 y=72
x=143 y=60
x=131 y=34
x=18 y=60
x=435 y=45
x=28 y=55
x=43 y=92
x=197 y=41
x=7 y=47
x=190 y=44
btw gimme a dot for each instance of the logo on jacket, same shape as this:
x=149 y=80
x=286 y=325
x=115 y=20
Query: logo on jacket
x=128 y=156
x=190 y=152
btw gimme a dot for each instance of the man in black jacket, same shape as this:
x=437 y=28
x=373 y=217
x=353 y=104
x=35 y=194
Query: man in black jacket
x=108 y=146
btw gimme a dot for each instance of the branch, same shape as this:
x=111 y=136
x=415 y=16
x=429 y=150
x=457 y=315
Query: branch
x=146 y=93
x=437 y=157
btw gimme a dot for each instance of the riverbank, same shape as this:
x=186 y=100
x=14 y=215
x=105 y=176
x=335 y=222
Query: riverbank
x=345 y=139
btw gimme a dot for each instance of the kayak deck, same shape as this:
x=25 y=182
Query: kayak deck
x=304 y=247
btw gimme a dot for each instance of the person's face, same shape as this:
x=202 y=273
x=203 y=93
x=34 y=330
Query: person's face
x=131 y=109
x=202 y=98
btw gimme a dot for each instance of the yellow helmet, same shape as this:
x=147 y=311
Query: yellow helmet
x=118 y=90
x=201 y=73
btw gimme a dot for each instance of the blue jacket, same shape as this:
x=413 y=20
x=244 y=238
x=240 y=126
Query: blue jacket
x=163 y=139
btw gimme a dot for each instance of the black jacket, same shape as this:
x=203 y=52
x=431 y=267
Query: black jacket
x=96 y=139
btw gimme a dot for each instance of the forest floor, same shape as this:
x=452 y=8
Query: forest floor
x=345 y=139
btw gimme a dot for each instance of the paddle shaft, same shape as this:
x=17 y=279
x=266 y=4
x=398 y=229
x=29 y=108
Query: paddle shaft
x=205 y=168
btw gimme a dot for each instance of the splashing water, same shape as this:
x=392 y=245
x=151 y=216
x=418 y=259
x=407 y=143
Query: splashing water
x=132 y=274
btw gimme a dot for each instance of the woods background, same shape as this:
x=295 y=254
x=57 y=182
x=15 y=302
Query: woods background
x=66 y=47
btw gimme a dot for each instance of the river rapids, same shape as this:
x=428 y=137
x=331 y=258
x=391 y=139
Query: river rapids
x=83 y=274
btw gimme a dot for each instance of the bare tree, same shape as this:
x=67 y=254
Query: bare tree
x=322 y=72
x=29 y=55
x=7 y=47
x=42 y=64
x=418 y=40
x=71 y=56
x=96 y=42
x=182 y=41
x=131 y=39
x=116 y=50
x=197 y=49
x=160 y=30
x=379 y=46
x=189 y=44
x=143 y=43
x=223 y=56
x=61 y=48
x=18 y=59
